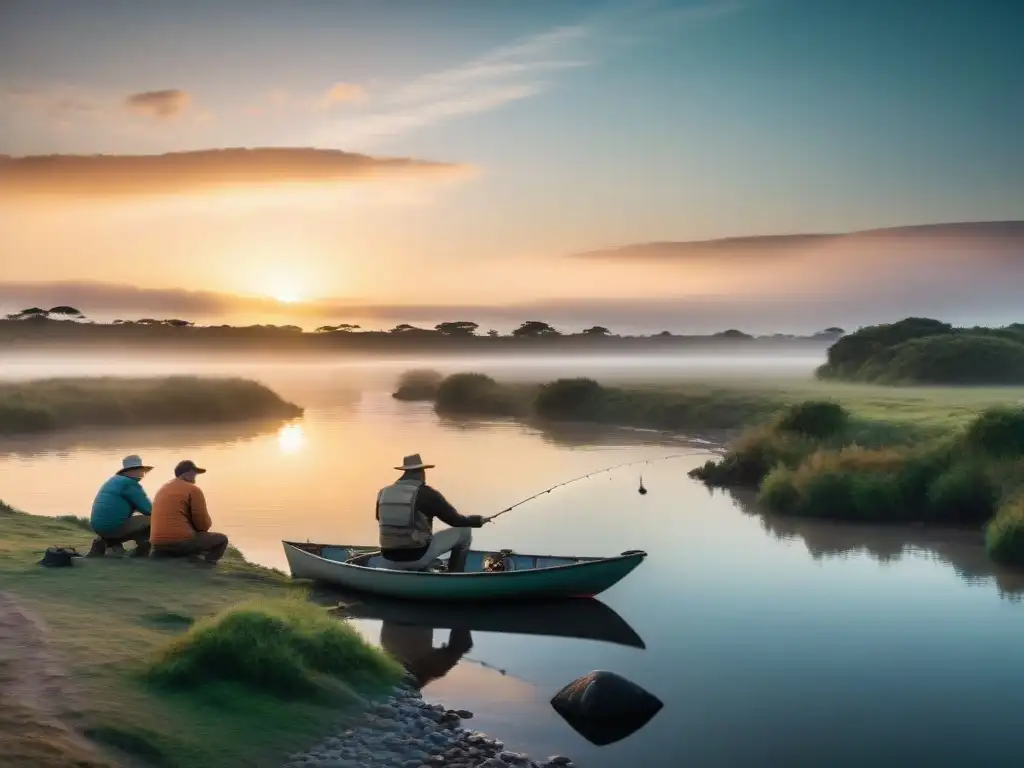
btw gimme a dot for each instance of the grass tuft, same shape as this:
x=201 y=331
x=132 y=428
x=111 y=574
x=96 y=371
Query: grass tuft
x=282 y=647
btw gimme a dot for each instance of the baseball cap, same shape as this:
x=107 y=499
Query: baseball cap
x=187 y=466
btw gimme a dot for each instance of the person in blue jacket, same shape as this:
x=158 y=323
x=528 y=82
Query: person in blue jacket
x=113 y=517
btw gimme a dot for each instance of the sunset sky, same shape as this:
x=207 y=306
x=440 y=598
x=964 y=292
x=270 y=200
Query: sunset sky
x=450 y=159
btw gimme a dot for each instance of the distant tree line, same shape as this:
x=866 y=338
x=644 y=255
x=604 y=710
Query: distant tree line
x=529 y=329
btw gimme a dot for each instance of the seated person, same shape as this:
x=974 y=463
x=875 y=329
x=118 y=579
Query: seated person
x=405 y=513
x=181 y=522
x=113 y=517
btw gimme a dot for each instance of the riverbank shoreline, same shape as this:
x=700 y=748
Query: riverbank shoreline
x=119 y=719
x=47 y=405
x=856 y=453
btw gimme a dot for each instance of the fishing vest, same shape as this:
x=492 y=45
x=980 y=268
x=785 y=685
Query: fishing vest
x=401 y=526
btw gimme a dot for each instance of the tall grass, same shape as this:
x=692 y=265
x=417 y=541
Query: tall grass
x=48 y=404
x=285 y=647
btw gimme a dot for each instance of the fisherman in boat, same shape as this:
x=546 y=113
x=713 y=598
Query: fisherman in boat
x=405 y=512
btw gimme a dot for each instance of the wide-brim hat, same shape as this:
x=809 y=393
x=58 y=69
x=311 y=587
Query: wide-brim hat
x=132 y=462
x=414 y=462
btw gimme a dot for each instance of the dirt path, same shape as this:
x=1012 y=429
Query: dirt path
x=38 y=708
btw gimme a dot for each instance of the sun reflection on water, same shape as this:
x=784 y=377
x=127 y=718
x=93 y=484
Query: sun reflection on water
x=291 y=438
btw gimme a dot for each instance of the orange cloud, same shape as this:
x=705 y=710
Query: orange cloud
x=341 y=93
x=160 y=105
x=200 y=171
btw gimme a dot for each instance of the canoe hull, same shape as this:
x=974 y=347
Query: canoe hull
x=564 y=578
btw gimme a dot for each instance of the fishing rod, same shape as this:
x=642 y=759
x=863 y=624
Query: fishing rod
x=601 y=471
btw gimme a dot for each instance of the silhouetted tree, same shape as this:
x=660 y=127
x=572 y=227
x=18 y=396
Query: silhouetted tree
x=493 y=333
x=533 y=329
x=326 y=328
x=148 y=321
x=664 y=334
x=732 y=333
x=32 y=313
x=175 y=323
x=66 y=311
x=597 y=330
x=457 y=328
x=347 y=327
x=406 y=328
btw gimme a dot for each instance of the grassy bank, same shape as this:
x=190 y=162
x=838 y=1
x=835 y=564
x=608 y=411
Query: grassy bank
x=48 y=404
x=877 y=413
x=185 y=666
x=856 y=452
x=814 y=460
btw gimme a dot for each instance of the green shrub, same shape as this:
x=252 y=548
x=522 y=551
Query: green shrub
x=474 y=394
x=778 y=492
x=956 y=359
x=279 y=647
x=418 y=384
x=925 y=351
x=815 y=418
x=578 y=399
x=998 y=432
x=963 y=495
x=1004 y=536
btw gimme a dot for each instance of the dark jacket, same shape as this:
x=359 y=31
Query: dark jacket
x=431 y=504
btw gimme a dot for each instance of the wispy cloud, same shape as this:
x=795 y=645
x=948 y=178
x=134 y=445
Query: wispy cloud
x=92 y=176
x=58 y=103
x=165 y=104
x=518 y=70
x=510 y=73
x=342 y=93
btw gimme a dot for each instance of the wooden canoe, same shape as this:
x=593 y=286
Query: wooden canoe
x=577 y=619
x=526 y=577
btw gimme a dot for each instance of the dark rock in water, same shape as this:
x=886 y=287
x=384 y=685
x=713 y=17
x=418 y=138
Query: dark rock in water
x=604 y=707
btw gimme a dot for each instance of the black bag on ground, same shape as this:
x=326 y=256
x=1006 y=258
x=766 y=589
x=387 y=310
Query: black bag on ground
x=59 y=557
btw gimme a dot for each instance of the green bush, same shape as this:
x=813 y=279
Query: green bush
x=964 y=358
x=815 y=418
x=578 y=399
x=1004 y=536
x=418 y=384
x=474 y=394
x=963 y=495
x=925 y=351
x=279 y=647
x=998 y=432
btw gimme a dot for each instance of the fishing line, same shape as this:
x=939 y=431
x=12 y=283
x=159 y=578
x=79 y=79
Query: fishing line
x=643 y=490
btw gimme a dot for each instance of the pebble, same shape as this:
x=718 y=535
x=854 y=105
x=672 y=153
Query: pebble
x=403 y=731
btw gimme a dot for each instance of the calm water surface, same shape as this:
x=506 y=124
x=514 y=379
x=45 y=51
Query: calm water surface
x=775 y=643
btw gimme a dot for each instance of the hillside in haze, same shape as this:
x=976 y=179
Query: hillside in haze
x=983 y=236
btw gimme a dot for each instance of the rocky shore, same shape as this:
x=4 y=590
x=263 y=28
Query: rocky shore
x=404 y=731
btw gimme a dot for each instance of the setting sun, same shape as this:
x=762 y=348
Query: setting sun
x=287 y=297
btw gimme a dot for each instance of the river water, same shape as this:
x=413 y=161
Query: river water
x=771 y=642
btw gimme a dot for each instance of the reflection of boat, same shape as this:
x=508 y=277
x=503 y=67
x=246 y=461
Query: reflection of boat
x=581 y=619
x=518 y=577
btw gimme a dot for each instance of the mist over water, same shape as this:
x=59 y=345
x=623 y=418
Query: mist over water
x=675 y=365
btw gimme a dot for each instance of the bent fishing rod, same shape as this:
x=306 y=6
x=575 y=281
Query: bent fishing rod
x=602 y=471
